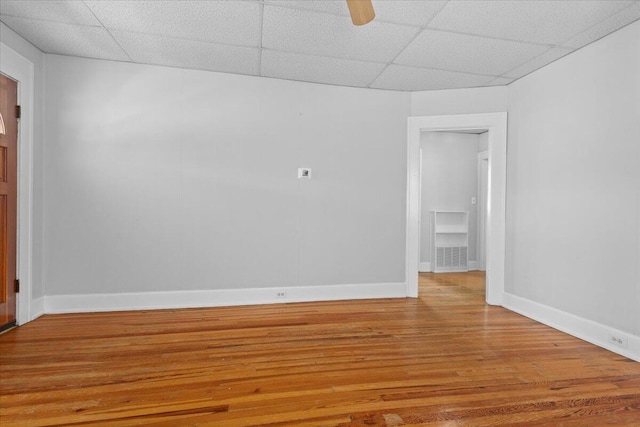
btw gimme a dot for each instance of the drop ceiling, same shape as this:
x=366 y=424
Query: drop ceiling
x=411 y=45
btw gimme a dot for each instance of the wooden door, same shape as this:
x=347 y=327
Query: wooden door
x=8 y=200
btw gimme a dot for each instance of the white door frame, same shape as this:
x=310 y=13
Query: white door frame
x=481 y=250
x=21 y=69
x=496 y=124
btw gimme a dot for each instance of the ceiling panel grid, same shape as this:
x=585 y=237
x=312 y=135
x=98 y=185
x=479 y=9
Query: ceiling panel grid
x=411 y=44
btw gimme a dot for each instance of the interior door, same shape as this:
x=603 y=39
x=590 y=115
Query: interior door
x=8 y=200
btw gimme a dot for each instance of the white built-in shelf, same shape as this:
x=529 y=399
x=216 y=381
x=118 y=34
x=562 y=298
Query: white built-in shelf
x=449 y=241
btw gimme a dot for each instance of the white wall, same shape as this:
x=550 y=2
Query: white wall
x=162 y=179
x=449 y=181
x=573 y=206
x=30 y=52
x=459 y=101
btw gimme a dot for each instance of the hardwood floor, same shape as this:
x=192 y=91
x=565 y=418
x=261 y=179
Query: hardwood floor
x=445 y=359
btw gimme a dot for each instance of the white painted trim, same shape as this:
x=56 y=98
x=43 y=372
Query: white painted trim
x=496 y=124
x=217 y=298
x=37 y=307
x=585 y=329
x=21 y=69
x=481 y=246
x=425 y=267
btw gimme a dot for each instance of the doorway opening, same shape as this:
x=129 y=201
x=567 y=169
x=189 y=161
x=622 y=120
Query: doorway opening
x=452 y=200
x=495 y=124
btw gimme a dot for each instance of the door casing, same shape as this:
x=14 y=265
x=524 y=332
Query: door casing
x=483 y=160
x=496 y=124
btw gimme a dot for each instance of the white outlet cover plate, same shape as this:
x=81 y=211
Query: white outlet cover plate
x=304 y=173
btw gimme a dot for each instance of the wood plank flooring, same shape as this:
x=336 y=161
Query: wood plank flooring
x=445 y=359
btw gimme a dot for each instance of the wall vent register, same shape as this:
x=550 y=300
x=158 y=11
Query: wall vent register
x=449 y=241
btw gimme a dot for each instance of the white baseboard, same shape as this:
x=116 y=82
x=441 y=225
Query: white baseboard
x=585 y=329
x=216 y=298
x=424 y=267
x=37 y=308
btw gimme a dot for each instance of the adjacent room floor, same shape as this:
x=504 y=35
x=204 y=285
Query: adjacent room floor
x=443 y=359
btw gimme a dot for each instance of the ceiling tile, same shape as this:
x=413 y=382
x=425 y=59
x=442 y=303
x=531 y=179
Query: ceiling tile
x=398 y=77
x=67 y=39
x=473 y=54
x=613 y=23
x=405 y=12
x=334 y=7
x=543 y=21
x=330 y=35
x=467 y=43
x=538 y=62
x=231 y=22
x=319 y=69
x=183 y=53
x=70 y=12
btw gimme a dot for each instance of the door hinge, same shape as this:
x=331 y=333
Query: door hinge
x=18 y=111
x=16 y=286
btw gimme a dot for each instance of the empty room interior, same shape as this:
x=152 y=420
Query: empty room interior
x=320 y=213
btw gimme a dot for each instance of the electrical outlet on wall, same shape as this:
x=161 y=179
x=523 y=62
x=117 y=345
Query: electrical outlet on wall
x=618 y=340
x=304 y=173
x=281 y=294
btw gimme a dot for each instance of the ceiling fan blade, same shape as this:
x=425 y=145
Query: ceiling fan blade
x=361 y=11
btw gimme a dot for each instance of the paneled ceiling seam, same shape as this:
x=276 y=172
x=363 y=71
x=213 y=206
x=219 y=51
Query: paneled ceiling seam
x=108 y=32
x=493 y=76
x=184 y=38
x=598 y=23
x=346 y=14
x=463 y=33
x=409 y=38
x=260 y=46
x=506 y=73
x=569 y=49
x=421 y=27
x=320 y=55
x=406 y=46
x=24 y=18
x=306 y=9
